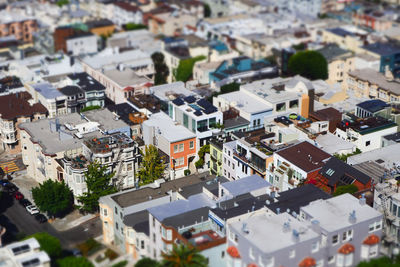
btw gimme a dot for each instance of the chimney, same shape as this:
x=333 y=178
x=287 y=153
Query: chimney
x=295 y=235
x=315 y=225
x=352 y=217
x=278 y=210
x=363 y=200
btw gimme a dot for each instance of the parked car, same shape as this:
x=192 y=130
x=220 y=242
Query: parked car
x=40 y=218
x=18 y=195
x=32 y=209
x=10 y=188
x=4 y=182
x=24 y=202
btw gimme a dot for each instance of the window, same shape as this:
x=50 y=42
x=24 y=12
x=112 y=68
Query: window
x=169 y=234
x=236 y=239
x=105 y=212
x=251 y=253
x=378 y=225
x=371 y=227
x=292 y=253
x=178 y=148
x=314 y=247
x=116 y=226
x=181 y=147
x=367 y=143
x=331 y=259
x=116 y=210
x=269 y=262
x=191 y=144
x=335 y=239
x=142 y=244
x=180 y=161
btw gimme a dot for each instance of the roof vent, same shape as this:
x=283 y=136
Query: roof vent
x=352 y=217
x=244 y=228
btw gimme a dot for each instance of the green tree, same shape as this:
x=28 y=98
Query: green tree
x=53 y=197
x=152 y=165
x=309 y=64
x=160 y=67
x=98 y=182
x=207 y=10
x=343 y=189
x=90 y=108
x=185 y=68
x=72 y=261
x=147 y=262
x=183 y=256
x=380 y=262
x=61 y=3
x=343 y=157
x=134 y=26
x=48 y=244
x=202 y=151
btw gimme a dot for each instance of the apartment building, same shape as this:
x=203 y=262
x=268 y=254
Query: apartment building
x=53 y=99
x=175 y=140
x=93 y=90
x=216 y=154
x=45 y=142
x=125 y=13
x=346 y=37
x=73 y=40
x=139 y=39
x=388 y=54
x=21 y=27
x=340 y=62
x=365 y=133
x=24 y=253
x=311 y=240
x=198 y=115
x=370 y=83
x=117 y=151
x=170 y=23
x=16 y=109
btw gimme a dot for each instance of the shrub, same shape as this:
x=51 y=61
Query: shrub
x=111 y=254
x=120 y=264
x=187 y=172
x=48 y=243
x=90 y=108
x=89 y=247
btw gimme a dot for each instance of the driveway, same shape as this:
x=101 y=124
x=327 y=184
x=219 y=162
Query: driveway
x=19 y=220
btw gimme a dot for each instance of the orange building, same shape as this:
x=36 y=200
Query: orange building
x=22 y=29
x=101 y=27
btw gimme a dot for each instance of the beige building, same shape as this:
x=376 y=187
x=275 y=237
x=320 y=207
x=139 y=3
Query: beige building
x=170 y=23
x=349 y=38
x=340 y=62
x=373 y=84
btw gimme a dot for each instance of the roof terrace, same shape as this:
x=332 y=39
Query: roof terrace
x=108 y=143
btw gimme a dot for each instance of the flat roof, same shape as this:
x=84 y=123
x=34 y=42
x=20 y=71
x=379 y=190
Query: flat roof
x=333 y=214
x=373 y=105
x=47 y=90
x=170 y=91
x=245 y=185
x=271 y=227
x=333 y=52
x=169 y=129
x=109 y=57
x=245 y=102
x=105 y=118
x=305 y=156
x=383 y=49
x=387 y=156
x=136 y=196
x=332 y=144
x=187 y=218
x=126 y=77
x=374 y=77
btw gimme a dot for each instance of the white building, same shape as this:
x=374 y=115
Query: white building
x=24 y=254
x=82 y=44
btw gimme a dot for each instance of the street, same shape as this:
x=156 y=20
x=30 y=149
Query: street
x=19 y=220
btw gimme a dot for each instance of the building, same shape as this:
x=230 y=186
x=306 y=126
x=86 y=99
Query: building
x=347 y=37
x=300 y=7
x=370 y=83
x=74 y=41
x=304 y=160
x=372 y=108
x=125 y=13
x=390 y=139
x=388 y=53
x=21 y=27
x=10 y=85
x=44 y=142
x=51 y=98
x=138 y=39
x=130 y=116
x=337 y=173
x=170 y=23
x=93 y=90
x=24 y=253
x=198 y=115
x=101 y=27
x=117 y=151
x=366 y=133
x=332 y=115
x=340 y=61
x=216 y=154
x=175 y=140
x=312 y=240
x=15 y=109
x=242 y=69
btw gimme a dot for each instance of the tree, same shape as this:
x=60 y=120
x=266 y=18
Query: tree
x=53 y=197
x=98 y=182
x=160 y=67
x=309 y=64
x=48 y=244
x=134 y=26
x=185 y=68
x=182 y=256
x=202 y=151
x=379 y=262
x=74 y=261
x=61 y=3
x=343 y=189
x=207 y=10
x=147 y=262
x=343 y=157
x=152 y=165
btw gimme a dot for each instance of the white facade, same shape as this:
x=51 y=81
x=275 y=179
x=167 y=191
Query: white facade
x=82 y=45
x=123 y=16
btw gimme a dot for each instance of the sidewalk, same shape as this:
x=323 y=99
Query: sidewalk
x=72 y=220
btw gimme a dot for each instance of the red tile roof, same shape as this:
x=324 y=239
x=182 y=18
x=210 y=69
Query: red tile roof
x=371 y=240
x=346 y=249
x=16 y=105
x=305 y=155
x=307 y=262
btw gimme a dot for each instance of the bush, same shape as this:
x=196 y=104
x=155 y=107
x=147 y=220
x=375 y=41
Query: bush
x=147 y=262
x=48 y=243
x=187 y=172
x=89 y=247
x=343 y=189
x=111 y=254
x=72 y=261
x=199 y=163
x=61 y=3
x=120 y=264
x=90 y=108
x=185 y=68
x=134 y=27
x=309 y=64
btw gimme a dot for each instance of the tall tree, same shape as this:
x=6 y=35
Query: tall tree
x=309 y=64
x=53 y=197
x=48 y=243
x=160 y=67
x=98 y=182
x=152 y=165
x=183 y=256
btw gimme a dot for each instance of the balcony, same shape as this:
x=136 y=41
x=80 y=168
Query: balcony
x=202 y=129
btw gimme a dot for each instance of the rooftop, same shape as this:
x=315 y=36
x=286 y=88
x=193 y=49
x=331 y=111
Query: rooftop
x=383 y=49
x=10 y=82
x=149 y=102
x=373 y=105
x=334 y=52
x=133 y=197
x=235 y=122
x=125 y=112
x=16 y=105
x=169 y=129
x=98 y=23
x=245 y=185
x=387 y=156
x=305 y=156
x=271 y=227
x=86 y=82
x=334 y=213
x=108 y=143
x=138 y=221
x=105 y=118
x=367 y=125
x=332 y=144
x=170 y=91
x=126 y=77
x=339 y=173
x=47 y=90
x=188 y=218
x=393 y=137
x=245 y=102
x=71 y=90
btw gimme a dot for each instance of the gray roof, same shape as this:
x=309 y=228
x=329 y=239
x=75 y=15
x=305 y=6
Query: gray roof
x=387 y=156
x=333 y=214
x=334 y=52
x=245 y=185
x=235 y=122
x=138 y=221
x=47 y=90
x=374 y=77
x=188 y=218
x=106 y=119
x=126 y=77
x=133 y=197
